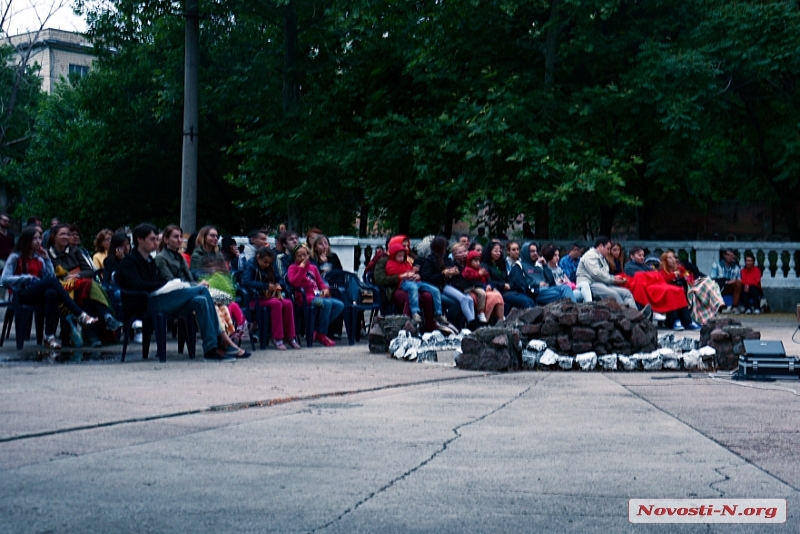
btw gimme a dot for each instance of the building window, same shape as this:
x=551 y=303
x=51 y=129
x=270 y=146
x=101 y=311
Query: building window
x=80 y=70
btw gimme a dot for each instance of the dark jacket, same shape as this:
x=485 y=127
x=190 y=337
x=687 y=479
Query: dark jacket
x=172 y=265
x=383 y=280
x=431 y=270
x=518 y=279
x=136 y=273
x=333 y=263
x=69 y=259
x=631 y=268
x=498 y=278
x=458 y=281
x=257 y=279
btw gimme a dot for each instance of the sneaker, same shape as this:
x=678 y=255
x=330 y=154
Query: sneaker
x=725 y=310
x=659 y=316
x=325 y=340
x=757 y=311
x=85 y=319
x=678 y=327
x=482 y=318
x=111 y=323
x=735 y=311
x=748 y=311
x=444 y=325
x=417 y=318
x=647 y=311
x=94 y=342
x=694 y=326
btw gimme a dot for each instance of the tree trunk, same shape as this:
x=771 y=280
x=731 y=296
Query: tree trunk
x=404 y=222
x=449 y=215
x=607 y=214
x=363 y=216
x=542 y=220
x=291 y=87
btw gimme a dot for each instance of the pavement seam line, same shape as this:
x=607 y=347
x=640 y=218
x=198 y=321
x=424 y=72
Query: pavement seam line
x=746 y=460
x=425 y=462
x=725 y=478
x=237 y=406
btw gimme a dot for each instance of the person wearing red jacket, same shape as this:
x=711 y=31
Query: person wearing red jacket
x=751 y=285
x=411 y=283
x=306 y=276
x=487 y=301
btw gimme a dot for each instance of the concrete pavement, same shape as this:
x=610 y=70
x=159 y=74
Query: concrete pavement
x=338 y=440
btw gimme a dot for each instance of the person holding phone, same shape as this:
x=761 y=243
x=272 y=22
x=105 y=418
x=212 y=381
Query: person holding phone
x=29 y=272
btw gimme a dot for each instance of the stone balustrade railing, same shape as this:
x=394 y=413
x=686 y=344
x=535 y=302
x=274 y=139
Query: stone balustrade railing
x=777 y=260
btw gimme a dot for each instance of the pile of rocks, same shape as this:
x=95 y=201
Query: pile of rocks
x=726 y=337
x=603 y=327
x=407 y=347
x=536 y=355
x=491 y=349
x=385 y=329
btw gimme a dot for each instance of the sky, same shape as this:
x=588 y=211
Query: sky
x=23 y=16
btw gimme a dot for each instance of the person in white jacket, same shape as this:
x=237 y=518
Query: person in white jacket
x=593 y=269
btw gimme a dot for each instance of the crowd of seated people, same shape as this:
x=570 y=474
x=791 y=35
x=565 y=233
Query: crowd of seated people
x=447 y=286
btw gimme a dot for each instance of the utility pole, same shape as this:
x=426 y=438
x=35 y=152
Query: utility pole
x=191 y=93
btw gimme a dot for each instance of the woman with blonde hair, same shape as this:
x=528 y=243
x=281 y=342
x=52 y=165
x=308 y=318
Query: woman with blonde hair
x=703 y=294
x=206 y=251
x=101 y=244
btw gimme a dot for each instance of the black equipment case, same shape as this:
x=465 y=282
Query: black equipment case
x=767 y=360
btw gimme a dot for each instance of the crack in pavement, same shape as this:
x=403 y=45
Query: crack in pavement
x=725 y=478
x=705 y=435
x=422 y=464
x=220 y=408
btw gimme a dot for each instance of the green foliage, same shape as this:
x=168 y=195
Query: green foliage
x=421 y=112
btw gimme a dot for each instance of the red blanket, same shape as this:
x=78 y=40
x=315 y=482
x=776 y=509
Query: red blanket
x=650 y=288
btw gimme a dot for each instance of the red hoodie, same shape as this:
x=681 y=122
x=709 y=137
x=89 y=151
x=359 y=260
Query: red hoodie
x=395 y=267
x=474 y=275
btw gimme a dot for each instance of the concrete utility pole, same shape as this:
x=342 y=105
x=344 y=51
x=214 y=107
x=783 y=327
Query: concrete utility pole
x=191 y=91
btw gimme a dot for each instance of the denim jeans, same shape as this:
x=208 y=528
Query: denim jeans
x=193 y=299
x=413 y=289
x=329 y=309
x=546 y=295
x=466 y=303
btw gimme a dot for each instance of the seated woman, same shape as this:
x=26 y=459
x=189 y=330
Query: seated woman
x=118 y=248
x=551 y=257
x=206 y=250
x=75 y=242
x=437 y=269
x=751 y=285
x=495 y=265
x=259 y=275
x=101 y=247
x=230 y=252
x=615 y=259
x=704 y=297
x=72 y=268
x=30 y=274
x=306 y=276
x=171 y=265
x=322 y=257
x=494 y=305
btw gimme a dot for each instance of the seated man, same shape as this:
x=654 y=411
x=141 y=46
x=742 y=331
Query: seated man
x=727 y=275
x=569 y=263
x=593 y=269
x=543 y=285
x=256 y=239
x=138 y=272
x=286 y=241
x=636 y=263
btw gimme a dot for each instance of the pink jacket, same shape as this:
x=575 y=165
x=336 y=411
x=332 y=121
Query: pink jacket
x=299 y=277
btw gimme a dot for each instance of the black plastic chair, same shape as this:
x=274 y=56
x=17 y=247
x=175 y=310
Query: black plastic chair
x=346 y=283
x=23 y=316
x=258 y=314
x=152 y=320
x=387 y=308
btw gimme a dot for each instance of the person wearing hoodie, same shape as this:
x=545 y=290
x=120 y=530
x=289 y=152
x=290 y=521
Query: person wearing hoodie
x=495 y=265
x=493 y=304
x=410 y=282
x=542 y=284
